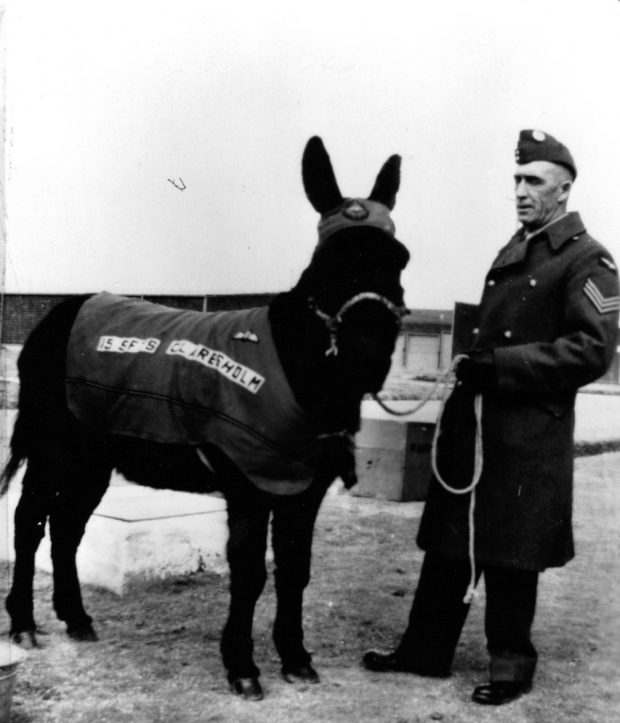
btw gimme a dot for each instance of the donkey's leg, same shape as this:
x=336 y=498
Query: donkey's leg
x=30 y=517
x=292 y=530
x=70 y=513
x=248 y=517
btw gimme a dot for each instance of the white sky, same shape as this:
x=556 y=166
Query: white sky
x=105 y=101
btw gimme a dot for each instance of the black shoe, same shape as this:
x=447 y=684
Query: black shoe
x=392 y=663
x=301 y=674
x=498 y=692
x=247 y=688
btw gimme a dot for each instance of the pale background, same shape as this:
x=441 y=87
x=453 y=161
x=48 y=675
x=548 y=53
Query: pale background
x=106 y=101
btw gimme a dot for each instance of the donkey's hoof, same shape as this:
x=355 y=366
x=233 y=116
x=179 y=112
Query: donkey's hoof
x=301 y=674
x=247 y=688
x=26 y=639
x=83 y=634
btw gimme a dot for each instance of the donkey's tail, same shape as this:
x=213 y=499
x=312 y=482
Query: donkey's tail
x=18 y=455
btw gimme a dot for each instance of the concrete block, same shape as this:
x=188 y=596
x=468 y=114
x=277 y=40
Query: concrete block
x=393 y=459
x=137 y=533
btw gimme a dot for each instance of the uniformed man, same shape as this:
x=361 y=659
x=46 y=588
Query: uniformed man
x=548 y=324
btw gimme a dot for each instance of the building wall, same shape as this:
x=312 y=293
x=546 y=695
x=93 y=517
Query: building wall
x=21 y=312
x=425 y=346
x=422 y=353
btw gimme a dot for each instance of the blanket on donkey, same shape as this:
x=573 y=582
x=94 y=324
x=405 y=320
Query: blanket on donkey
x=188 y=377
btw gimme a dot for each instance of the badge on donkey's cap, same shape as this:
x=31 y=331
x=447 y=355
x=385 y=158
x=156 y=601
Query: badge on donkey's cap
x=356 y=212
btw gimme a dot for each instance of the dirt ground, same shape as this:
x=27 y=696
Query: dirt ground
x=157 y=659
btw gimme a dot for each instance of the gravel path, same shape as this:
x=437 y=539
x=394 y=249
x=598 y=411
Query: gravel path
x=157 y=659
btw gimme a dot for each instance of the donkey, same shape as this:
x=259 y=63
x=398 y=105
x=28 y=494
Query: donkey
x=260 y=404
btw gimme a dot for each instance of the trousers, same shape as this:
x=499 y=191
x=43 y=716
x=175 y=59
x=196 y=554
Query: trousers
x=438 y=614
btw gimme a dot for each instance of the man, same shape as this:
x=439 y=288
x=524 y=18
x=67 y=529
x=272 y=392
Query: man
x=548 y=324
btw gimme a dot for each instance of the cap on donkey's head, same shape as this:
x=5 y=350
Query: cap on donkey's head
x=338 y=212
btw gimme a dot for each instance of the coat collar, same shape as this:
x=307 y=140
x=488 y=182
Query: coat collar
x=558 y=233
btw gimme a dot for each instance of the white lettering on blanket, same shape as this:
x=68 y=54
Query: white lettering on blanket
x=127 y=344
x=237 y=373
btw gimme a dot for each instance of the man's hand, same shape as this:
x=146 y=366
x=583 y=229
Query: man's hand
x=477 y=371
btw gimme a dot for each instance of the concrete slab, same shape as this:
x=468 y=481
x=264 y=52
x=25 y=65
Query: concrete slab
x=139 y=534
x=597 y=415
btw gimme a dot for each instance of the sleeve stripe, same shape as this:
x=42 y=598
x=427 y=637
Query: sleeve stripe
x=602 y=304
x=591 y=286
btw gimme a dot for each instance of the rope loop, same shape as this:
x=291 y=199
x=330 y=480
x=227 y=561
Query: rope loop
x=478 y=460
x=443 y=379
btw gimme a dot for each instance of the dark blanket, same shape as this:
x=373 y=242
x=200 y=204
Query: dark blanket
x=170 y=376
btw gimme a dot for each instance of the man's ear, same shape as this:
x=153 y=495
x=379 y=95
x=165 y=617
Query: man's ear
x=565 y=190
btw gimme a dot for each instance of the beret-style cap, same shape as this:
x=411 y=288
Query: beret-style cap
x=356 y=212
x=534 y=145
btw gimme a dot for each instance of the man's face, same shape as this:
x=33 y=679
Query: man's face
x=541 y=190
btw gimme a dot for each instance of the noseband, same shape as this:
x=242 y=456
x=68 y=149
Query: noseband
x=333 y=322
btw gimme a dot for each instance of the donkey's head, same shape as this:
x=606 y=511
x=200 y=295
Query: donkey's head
x=351 y=288
x=356 y=267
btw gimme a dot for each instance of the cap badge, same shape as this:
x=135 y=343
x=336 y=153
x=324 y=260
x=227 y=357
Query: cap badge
x=538 y=136
x=355 y=211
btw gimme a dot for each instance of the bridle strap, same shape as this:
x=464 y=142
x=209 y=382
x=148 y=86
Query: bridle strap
x=333 y=322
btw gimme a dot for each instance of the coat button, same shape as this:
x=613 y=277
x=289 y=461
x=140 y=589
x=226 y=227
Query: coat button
x=533 y=282
x=507 y=333
x=491 y=282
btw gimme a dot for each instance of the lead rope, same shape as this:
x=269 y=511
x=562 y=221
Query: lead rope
x=478 y=461
x=332 y=323
x=478 y=465
x=442 y=379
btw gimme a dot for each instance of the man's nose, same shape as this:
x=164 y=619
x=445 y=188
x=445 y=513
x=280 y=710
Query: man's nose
x=520 y=191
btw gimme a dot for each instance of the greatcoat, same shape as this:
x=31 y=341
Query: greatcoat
x=549 y=314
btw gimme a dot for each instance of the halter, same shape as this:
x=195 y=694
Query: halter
x=333 y=322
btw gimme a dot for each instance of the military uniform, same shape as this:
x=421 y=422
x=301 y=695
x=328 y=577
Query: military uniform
x=549 y=313
x=547 y=325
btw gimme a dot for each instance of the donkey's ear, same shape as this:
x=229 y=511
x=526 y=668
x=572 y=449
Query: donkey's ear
x=387 y=183
x=318 y=176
